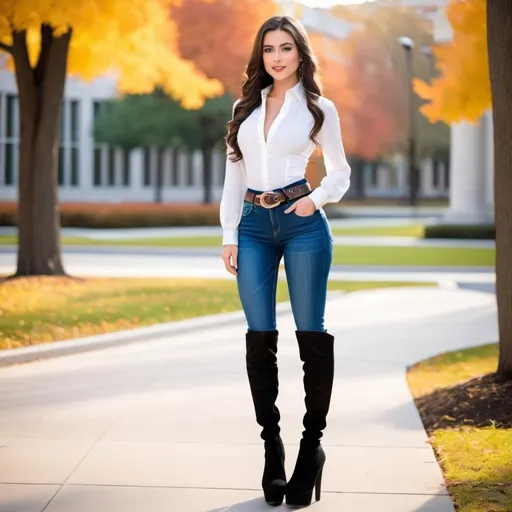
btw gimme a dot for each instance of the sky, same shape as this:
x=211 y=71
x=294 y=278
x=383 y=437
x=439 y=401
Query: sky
x=330 y=3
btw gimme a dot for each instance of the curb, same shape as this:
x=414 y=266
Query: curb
x=53 y=349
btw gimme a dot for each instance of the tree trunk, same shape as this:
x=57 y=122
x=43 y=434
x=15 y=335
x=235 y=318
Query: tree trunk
x=359 y=181
x=40 y=91
x=499 y=38
x=207 y=173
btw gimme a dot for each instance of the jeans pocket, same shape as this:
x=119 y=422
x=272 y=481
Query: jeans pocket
x=248 y=208
x=304 y=216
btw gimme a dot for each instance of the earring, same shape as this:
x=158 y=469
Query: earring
x=301 y=71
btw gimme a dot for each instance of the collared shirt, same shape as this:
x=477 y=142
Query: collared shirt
x=282 y=159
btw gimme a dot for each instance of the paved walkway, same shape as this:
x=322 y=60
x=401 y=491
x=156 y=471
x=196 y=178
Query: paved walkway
x=168 y=425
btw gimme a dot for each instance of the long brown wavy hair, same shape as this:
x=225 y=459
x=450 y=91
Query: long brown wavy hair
x=256 y=78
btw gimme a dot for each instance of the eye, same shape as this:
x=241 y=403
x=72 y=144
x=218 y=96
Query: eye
x=287 y=48
x=267 y=50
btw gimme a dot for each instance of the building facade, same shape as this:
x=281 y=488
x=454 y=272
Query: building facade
x=91 y=172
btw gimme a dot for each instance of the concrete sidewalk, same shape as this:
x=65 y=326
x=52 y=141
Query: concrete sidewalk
x=168 y=425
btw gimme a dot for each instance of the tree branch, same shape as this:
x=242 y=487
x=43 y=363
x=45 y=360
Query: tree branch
x=46 y=43
x=6 y=48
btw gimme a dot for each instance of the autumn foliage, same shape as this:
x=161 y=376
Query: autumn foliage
x=366 y=77
x=360 y=88
x=462 y=92
x=138 y=44
x=218 y=35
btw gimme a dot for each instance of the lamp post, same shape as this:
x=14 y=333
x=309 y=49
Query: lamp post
x=408 y=44
x=427 y=51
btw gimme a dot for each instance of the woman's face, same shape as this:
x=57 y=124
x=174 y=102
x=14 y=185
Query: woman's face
x=280 y=55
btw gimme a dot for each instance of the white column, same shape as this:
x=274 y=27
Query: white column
x=86 y=157
x=426 y=177
x=197 y=169
x=401 y=173
x=467 y=183
x=137 y=172
x=182 y=169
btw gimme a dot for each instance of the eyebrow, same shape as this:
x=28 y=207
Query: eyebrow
x=270 y=46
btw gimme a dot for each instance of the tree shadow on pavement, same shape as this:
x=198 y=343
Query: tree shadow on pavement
x=437 y=503
x=256 y=505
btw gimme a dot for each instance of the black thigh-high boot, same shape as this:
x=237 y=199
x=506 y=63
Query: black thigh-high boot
x=261 y=362
x=317 y=353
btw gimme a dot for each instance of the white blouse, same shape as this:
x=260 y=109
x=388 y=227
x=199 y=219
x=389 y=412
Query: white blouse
x=282 y=159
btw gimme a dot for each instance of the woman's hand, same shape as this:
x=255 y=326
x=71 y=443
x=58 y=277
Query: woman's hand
x=230 y=258
x=303 y=207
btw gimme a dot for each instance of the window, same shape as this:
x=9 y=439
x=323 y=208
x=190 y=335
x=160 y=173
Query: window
x=111 y=169
x=97 y=167
x=75 y=167
x=190 y=168
x=12 y=112
x=126 y=168
x=175 y=180
x=62 y=167
x=69 y=151
x=69 y=142
x=9 y=164
x=147 y=167
x=100 y=150
x=9 y=139
x=435 y=174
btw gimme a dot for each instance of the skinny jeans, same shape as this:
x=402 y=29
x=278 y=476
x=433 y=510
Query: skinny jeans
x=265 y=237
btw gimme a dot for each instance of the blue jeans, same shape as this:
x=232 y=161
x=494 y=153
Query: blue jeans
x=265 y=236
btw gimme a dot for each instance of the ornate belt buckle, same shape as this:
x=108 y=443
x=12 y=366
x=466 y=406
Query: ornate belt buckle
x=273 y=202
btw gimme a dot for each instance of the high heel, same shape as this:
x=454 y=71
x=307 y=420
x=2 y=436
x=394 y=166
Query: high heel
x=274 y=476
x=307 y=476
x=318 y=485
x=317 y=352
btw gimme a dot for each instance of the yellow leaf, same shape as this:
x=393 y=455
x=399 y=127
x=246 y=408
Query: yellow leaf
x=463 y=91
x=134 y=41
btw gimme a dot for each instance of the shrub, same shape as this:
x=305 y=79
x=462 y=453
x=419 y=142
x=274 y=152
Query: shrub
x=461 y=231
x=125 y=215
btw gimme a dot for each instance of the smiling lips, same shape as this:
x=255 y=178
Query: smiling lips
x=278 y=68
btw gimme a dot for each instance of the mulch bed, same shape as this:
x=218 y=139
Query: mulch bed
x=479 y=402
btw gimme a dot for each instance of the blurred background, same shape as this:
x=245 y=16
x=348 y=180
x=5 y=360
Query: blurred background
x=118 y=147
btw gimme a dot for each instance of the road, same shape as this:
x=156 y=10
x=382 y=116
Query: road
x=206 y=263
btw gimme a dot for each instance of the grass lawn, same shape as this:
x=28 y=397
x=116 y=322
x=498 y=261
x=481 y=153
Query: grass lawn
x=475 y=451
x=435 y=256
x=35 y=310
x=414 y=230
x=343 y=255
x=199 y=241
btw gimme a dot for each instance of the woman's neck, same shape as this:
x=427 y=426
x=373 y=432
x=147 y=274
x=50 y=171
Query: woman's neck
x=280 y=87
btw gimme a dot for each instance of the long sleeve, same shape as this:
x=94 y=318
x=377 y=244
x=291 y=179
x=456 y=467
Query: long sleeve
x=232 y=201
x=337 y=180
x=231 y=204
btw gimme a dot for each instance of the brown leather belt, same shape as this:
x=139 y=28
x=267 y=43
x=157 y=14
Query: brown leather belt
x=272 y=199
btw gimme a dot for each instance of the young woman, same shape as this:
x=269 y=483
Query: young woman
x=268 y=211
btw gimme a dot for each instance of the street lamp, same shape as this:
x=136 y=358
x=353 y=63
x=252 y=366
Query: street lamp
x=408 y=44
x=427 y=51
